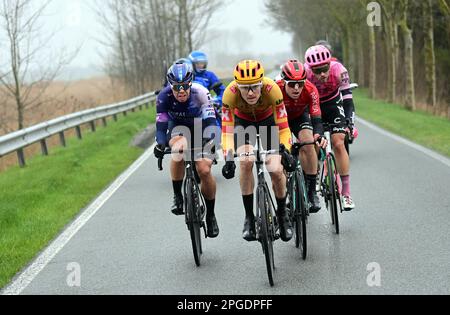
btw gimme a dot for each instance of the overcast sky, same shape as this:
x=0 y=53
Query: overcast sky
x=78 y=25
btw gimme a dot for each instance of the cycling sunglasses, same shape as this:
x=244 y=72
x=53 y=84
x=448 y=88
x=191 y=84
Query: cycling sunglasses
x=320 y=70
x=179 y=87
x=293 y=84
x=249 y=87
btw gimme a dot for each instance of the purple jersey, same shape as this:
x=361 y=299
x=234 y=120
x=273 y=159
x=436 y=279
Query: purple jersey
x=169 y=110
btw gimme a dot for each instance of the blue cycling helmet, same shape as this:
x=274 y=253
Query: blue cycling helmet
x=180 y=73
x=185 y=61
x=199 y=57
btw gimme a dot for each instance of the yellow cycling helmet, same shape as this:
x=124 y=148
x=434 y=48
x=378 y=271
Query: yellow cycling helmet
x=248 y=72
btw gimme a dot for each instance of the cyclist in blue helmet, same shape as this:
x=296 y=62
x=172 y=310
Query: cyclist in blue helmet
x=208 y=79
x=181 y=60
x=184 y=104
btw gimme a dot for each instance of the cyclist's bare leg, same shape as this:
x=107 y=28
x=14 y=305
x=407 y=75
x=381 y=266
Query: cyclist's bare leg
x=177 y=163
x=275 y=168
x=309 y=160
x=209 y=192
x=342 y=158
x=247 y=183
x=247 y=180
x=308 y=154
x=207 y=179
x=177 y=173
x=343 y=165
x=279 y=180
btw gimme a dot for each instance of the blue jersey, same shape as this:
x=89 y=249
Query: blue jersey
x=211 y=82
x=169 y=110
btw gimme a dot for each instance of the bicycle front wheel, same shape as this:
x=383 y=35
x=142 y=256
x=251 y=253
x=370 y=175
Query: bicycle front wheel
x=333 y=193
x=301 y=215
x=265 y=222
x=193 y=220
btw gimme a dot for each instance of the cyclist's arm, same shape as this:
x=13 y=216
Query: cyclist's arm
x=217 y=86
x=227 y=128
x=228 y=120
x=162 y=120
x=208 y=112
x=281 y=117
x=315 y=111
x=347 y=95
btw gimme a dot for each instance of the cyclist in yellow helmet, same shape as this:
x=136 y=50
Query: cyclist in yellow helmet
x=254 y=104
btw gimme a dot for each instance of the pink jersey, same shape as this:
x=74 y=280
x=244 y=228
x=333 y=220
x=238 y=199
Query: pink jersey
x=338 y=81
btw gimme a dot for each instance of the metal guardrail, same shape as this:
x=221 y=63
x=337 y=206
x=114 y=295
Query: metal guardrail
x=17 y=141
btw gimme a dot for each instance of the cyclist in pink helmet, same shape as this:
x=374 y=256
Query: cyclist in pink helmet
x=317 y=56
x=336 y=102
x=349 y=111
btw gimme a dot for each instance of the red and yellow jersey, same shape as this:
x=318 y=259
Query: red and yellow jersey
x=270 y=103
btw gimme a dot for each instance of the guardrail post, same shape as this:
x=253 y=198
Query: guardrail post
x=140 y=107
x=62 y=139
x=105 y=123
x=21 y=157
x=92 y=123
x=79 y=135
x=115 y=117
x=44 y=147
x=133 y=109
x=147 y=105
x=125 y=113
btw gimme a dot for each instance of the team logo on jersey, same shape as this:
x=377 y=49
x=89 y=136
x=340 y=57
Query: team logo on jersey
x=269 y=88
x=282 y=113
x=226 y=115
x=344 y=77
x=233 y=89
x=341 y=111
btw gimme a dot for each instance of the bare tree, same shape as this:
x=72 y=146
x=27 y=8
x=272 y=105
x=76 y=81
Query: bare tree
x=145 y=36
x=28 y=74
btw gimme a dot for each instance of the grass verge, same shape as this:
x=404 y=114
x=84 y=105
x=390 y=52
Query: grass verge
x=38 y=201
x=420 y=127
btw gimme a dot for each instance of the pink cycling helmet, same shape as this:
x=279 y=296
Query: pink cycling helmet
x=317 y=56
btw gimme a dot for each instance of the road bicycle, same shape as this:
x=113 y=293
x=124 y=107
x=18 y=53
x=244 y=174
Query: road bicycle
x=330 y=181
x=194 y=203
x=299 y=204
x=267 y=228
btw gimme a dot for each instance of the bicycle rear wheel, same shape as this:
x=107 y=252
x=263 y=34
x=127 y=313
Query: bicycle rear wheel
x=265 y=221
x=333 y=207
x=193 y=220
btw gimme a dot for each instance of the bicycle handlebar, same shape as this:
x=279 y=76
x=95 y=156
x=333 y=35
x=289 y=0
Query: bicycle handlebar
x=354 y=86
x=301 y=145
x=254 y=153
x=169 y=152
